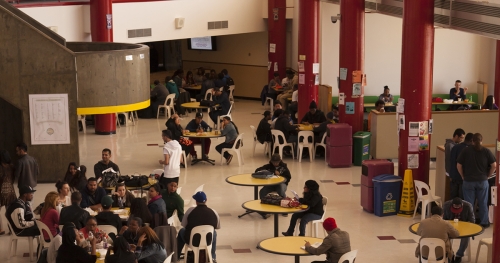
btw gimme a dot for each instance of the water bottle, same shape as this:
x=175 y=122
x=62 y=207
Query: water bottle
x=105 y=243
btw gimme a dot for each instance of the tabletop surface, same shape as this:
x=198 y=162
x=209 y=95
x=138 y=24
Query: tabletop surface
x=255 y=205
x=195 y=87
x=193 y=105
x=248 y=180
x=202 y=135
x=465 y=229
x=287 y=245
x=455 y=102
x=307 y=127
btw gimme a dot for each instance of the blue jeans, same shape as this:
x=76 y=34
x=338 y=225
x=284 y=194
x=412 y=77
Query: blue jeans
x=280 y=188
x=464 y=242
x=304 y=219
x=181 y=242
x=478 y=190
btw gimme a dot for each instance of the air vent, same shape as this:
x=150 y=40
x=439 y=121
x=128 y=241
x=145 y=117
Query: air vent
x=218 y=25
x=144 y=32
x=475 y=26
x=476 y=9
x=442 y=20
x=371 y=5
x=390 y=10
x=442 y=4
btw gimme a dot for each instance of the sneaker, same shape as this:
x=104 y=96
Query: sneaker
x=457 y=260
x=229 y=159
x=485 y=225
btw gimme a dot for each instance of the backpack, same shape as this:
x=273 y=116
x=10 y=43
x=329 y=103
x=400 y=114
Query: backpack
x=109 y=179
x=263 y=174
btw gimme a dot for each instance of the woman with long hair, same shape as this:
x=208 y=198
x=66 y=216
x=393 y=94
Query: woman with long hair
x=70 y=172
x=49 y=214
x=189 y=79
x=64 y=193
x=314 y=200
x=8 y=194
x=79 y=181
x=489 y=103
x=156 y=204
x=121 y=252
x=69 y=252
x=149 y=248
x=139 y=208
x=122 y=197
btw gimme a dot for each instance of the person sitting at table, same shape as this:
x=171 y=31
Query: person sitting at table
x=314 y=200
x=20 y=215
x=277 y=106
x=122 y=197
x=489 y=103
x=69 y=252
x=230 y=131
x=335 y=111
x=320 y=130
x=171 y=86
x=288 y=83
x=63 y=193
x=436 y=227
x=275 y=83
x=149 y=248
x=199 y=77
x=139 y=208
x=263 y=132
x=335 y=244
x=379 y=106
x=174 y=126
x=92 y=195
x=386 y=96
x=293 y=107
x=228 y=81
x=74 y=213
x=219 y=81
x=189 y=79
x=105 y=163
x=279 y=168
x=131 y=230
x=121 y=252
x=199 y=125
x=70 y=172
x=457 y=92
x=222 y=100
x=171 y=161
x=208 y=83
x=173 y=201
x=106 y=216
x=158 y=96
x=290 y=131
x=49 y=215
x=178 y=78
x=461 y=210
x=276 y=115
x=156 y=205
x=313 y=115
x=79 y=181
x=91 y=227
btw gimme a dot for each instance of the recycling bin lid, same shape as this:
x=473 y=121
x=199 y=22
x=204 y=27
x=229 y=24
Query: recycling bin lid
x=362 y=134
x=387 y=178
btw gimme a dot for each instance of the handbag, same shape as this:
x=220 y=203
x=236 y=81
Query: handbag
x=109 y=179
x=271 y=199
x=263 y=174
x=289 y=202
x=136 y=181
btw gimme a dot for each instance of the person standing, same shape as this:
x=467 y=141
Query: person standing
x=461 y=210
x=8 y=194
x=171 y=162
x=104 y=164
x=335 y=244
x=27 y=169
x=21 y=216
x=458 y=137
x=476 y=164
x=455 y=178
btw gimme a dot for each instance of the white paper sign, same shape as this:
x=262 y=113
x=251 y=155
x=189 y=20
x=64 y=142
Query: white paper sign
x=356 y=89
x=269 y=64
x=316 y=80
x=341 y=98
x=315 y=68
x=401 y=105
x=431 y=124
x=141 y=56
x=401 y=122
x=129 y=57
x=343 y=73
x=301 y=66
x=302 y=79
x=272 y=48
x=49 y=119
x=275 y=66
x=412 y=161
x=413 y=127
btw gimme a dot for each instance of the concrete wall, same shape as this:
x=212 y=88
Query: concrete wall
x=32 y=63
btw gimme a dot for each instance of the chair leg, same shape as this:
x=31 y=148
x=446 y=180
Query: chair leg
x=310 y=154
x=478 y=249
x=30 y=240
x=415 y=211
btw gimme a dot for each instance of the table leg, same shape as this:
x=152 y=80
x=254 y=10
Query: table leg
x=297 y=259
x=203 y=156
x=276 y=225
x=256 y=193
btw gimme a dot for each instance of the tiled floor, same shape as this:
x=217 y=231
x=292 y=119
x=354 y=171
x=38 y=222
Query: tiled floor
x=238 y=237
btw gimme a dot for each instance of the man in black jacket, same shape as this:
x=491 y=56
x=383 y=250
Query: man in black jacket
x=20 y=215
x=104 y=164
x=222 y=99
x=321 y=129
x=313 y=115
x=290 y=131
x=279 y=168
x=461 y=210
x=106 y=216
x=74 y=213
x=264 y=129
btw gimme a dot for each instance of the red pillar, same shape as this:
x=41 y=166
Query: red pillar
x=416 y=78
x=308 y=53
x=497 y=76
x=496 y=223
x=101 y=27
x=276 y=27
x=351 y=57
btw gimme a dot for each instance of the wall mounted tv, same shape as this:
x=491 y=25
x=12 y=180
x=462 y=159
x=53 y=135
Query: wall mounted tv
x=202 y=43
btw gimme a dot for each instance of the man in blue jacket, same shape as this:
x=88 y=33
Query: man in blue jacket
x=92 y=195
x=199 y=125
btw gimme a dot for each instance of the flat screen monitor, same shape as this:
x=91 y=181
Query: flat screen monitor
x=202 y=43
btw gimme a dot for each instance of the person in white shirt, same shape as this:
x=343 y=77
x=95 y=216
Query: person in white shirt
x=172 y=152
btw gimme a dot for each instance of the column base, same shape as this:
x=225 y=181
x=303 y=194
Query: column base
x=105 y=124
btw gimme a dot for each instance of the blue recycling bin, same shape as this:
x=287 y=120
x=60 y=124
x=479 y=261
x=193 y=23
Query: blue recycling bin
x=386 y=194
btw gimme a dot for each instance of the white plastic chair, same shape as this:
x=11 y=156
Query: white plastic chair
x=168 y=105
x=488 y=242
x=208 y=94
x=42 y=227
x=222 y=116
x=349 y=256
x=81 y=119
x=271 y=104
x=108 y=229
x=13 y=241
x=158 y=172
x=231 y=91
x=236 y=148
x=178 y=191
x=277 y=134
x=169 y=258
x=128 y=116
x=321 y=144
x=191 y=201
x=203 y=231
x=425 y=199
x=313 y=226
x=305 y=135
x=267 y=145
x=432 y=244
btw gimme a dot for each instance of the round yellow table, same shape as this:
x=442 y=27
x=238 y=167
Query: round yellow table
x=203 y=135
x=305 y=127
x=123 y=213
x=288 y=246
x=465 y=229
x=195 y=87
x=193 y=105
x=257 y=206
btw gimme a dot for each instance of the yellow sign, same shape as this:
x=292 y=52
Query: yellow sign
x=407 y=197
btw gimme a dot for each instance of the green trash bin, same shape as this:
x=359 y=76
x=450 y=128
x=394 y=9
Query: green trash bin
x=361 y=149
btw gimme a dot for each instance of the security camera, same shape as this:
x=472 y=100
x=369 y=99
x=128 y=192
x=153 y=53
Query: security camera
x=335 y=18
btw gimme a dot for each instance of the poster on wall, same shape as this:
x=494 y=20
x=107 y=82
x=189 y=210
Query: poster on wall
x=431 y=125
x=341 y=98
x=49 y=119
x=272 y=48
x=343 y=73
x=315 y=68
x=302 y=78
x=301 y=66
x=356 y=76
x=275 y=66
x=423 y=143
x=356 y=89
x=401 y=106
x=412 y=161
x=423 y=128
x=401 y=122
x=413 y=128
x=316 y=80
x=349 y=107
x=413 y=144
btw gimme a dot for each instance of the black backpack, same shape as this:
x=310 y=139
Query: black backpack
x=229 y=81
